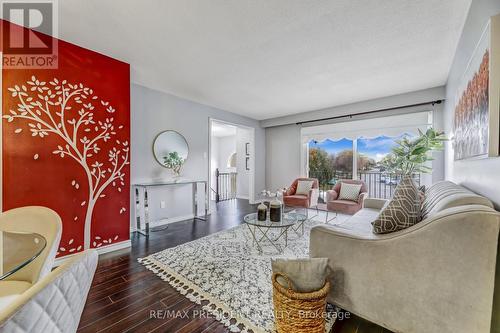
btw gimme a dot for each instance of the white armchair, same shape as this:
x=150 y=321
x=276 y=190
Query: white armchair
x=40 y=220
x=55 y=303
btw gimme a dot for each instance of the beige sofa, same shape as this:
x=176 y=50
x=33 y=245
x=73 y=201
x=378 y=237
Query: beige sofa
x=436 y=276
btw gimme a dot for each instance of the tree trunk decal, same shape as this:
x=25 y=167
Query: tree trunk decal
x=68 y=111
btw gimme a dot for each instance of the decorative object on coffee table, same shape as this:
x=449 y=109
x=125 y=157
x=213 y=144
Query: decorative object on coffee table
x=263 y=231
x=275 y=211
x=261 y=212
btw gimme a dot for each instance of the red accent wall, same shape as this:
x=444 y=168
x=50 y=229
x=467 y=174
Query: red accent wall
x=70 y=158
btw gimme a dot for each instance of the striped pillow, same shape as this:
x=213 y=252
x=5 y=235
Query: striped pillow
x=349 y=191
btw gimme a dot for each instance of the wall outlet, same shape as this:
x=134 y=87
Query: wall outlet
x=162 y=204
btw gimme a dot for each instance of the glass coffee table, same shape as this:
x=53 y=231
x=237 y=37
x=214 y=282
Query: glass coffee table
x=261 y=230
x=301 y=219
x=18 y=249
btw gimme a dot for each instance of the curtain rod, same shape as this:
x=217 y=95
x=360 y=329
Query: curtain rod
x=438 y=101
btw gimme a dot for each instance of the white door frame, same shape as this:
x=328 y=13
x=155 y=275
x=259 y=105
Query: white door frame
x=251 y=177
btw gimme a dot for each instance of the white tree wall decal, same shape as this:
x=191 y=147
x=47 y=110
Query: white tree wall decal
x=67 y=110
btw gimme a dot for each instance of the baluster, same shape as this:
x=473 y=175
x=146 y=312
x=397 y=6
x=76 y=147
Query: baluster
x=217 y=189
x=224 y=190
x=234 y=185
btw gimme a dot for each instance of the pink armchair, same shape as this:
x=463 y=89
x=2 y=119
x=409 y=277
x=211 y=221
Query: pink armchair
x=298 y=200
x=345 y=206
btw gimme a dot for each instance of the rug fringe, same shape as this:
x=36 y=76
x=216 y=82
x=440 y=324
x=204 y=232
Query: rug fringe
x=191 y=292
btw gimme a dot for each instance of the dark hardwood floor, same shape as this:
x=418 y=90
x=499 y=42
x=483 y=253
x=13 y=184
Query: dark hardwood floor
x=125 y=296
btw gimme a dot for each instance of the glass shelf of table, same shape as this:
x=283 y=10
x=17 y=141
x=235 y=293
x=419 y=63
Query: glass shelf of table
x=287 y=221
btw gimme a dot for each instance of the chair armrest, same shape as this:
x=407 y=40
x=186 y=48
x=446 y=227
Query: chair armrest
x=288 y=191
x=313 y=197
x=362 y=197
x=374 y=203
x=331 y=195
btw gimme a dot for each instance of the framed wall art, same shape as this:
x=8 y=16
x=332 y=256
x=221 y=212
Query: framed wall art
x=476 y=115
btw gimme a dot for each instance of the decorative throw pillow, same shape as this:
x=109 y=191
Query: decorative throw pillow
x=304 y=186
x=306 y=275
x=349 y=191
x=403 y=210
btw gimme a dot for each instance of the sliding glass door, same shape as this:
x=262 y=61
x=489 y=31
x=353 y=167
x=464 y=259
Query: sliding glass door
x=331 y=160
x=371 y=153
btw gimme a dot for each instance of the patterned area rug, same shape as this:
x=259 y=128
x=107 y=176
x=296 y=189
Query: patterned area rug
x=227 y=275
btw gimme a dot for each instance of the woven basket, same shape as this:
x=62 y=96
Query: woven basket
x=297 y=312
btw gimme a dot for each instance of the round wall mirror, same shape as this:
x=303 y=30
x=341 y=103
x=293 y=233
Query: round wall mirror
x=171 y=150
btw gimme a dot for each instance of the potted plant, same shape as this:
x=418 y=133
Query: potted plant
x=410 y=156
x=173 y=162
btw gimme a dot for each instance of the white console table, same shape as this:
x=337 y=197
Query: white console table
x=146 y=186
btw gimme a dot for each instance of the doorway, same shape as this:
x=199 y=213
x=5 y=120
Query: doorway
x=231 y=162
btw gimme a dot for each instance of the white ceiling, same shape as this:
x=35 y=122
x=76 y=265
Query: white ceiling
x=269 y=58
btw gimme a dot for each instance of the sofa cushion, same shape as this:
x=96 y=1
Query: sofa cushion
x=357 y=226
x=343 y=206
x=349 y=191
x=296 y=200
x=360 y=224
x=306 y=275
x=445 y=194
x=403 y=210
x=304 y=186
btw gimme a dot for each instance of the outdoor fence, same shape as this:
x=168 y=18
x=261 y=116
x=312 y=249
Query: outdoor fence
x=379 y=184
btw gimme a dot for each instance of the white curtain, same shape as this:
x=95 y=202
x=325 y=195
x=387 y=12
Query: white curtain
x=369 y=128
